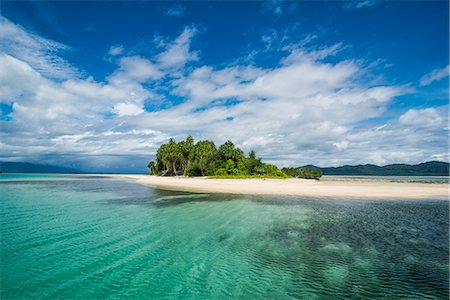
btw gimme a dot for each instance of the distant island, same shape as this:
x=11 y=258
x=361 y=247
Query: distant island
x=24 y=167
x=431 y=168
x=226 y=161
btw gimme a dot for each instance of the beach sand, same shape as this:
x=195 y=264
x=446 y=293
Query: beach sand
x=299 y=187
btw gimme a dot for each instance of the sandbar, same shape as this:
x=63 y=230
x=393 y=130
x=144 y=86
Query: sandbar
x=359 y=189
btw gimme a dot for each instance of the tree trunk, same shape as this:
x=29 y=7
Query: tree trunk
x=186 y=168
x=201 y=170
x=164 y=172
x=174 y=168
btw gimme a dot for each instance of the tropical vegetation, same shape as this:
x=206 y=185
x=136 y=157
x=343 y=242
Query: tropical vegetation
x=303 y=172
x=205 y=159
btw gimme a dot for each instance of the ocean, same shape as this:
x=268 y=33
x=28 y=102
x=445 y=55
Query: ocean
x=418 y=179
x=93 y=237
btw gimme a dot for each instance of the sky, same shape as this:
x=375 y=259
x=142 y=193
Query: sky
x=99 y=86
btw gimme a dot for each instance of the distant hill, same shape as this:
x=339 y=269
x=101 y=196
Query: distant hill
x=431 y=168
x=19 y=167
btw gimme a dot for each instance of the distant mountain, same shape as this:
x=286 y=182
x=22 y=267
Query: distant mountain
x=431 y=168
x=19 y=167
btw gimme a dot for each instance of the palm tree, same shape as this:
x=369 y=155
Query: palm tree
x=151 y=165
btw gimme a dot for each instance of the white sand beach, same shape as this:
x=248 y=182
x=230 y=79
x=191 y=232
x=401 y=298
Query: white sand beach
x=359 y=189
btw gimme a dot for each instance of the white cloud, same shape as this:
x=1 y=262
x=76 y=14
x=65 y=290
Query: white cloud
x=177 y=10
x=128 y=109
x=358 y=4
x=135 y=69
x=302 y=106
x=178 y=53
x=274 y=6
x=300 y=54
x=269 y=38
x=40 y=53
x=418 y=135
x=115 y=50
x=304 y=110
x=342 y=145
x=422 y=118
x=16 y=78
x=435 y=75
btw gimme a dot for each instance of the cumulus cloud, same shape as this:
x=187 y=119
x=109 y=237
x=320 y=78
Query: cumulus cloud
x=134 y=69
x=303 y=110
x=128 y=109
x=435 y=75
x=416 y=136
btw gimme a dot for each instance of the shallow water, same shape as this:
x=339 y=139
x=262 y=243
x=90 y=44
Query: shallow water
x=89 y=238
x=418 y=179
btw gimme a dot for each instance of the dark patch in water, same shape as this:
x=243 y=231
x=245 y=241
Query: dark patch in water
x=223 y=237
x=405 y=241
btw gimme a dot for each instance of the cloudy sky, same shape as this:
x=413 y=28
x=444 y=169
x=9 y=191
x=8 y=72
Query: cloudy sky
x=98 y=86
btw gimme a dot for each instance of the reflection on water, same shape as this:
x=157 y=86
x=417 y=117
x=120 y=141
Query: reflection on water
x=79 y=237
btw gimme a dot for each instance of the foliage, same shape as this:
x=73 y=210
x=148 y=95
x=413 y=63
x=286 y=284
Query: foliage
x=152 y=166
x=291 y=172
x=228 y=151
x=310 y=174
x=203 y=153
x=204 y=159
x=303 y=173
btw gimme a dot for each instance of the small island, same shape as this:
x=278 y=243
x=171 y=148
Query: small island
x=203 y=158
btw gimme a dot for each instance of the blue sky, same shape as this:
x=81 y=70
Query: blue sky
x=100 y=85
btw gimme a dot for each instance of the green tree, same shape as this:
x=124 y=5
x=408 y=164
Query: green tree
x=203 y=158
x=308 y=173
x=187 y=149
x=253 y=163
x=174 y=156
x=203 y=154
x=162 y=162
x=169 y=158
x=228 y=151
x=273 y=170
x=292 y=172
x=152 y=166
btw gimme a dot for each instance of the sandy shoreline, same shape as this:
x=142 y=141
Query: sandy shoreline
x=298 y=187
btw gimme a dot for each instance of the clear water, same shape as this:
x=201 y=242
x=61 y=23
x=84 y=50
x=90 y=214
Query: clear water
x=96 y=238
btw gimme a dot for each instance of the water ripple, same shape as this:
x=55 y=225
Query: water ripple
x=97 y=238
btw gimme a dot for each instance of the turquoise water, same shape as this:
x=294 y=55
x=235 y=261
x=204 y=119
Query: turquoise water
x=424 y=179
x=96 y=238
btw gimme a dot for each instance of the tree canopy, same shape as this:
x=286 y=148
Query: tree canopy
x=205 y=159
